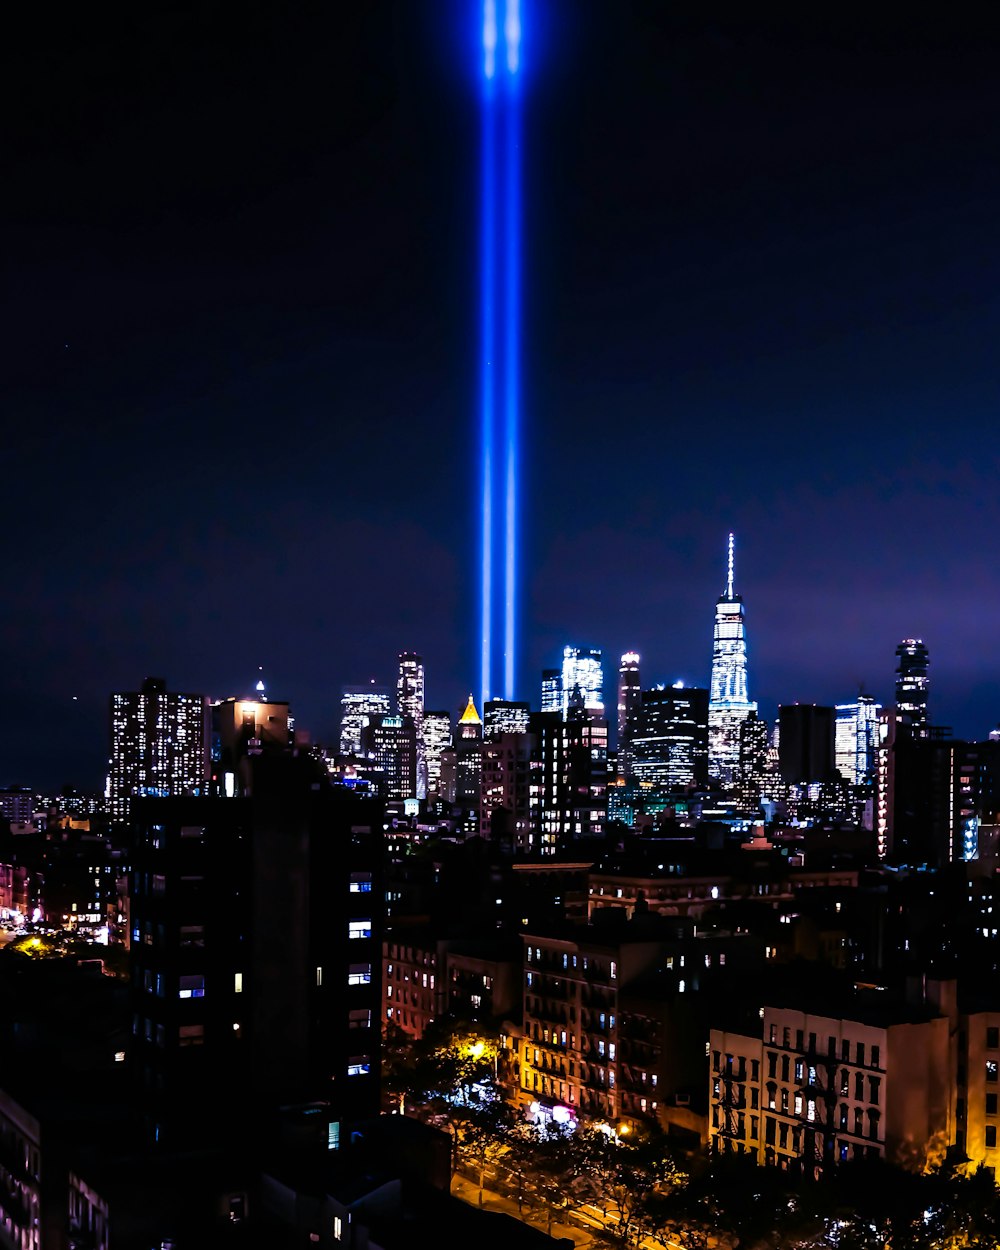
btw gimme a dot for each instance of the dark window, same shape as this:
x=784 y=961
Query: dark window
x=991 y=1136
x=991 y=1104
x=993 y=1039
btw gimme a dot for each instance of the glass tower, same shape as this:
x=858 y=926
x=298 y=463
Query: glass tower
x=728 y=704
x=582 y=679
x=856 y=741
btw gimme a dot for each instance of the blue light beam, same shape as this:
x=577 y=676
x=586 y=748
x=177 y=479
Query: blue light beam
x=500 y=278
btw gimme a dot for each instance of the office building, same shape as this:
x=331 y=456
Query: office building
x=729 y=704
x=410 y=702
x=912 y=683
x=670 y=738
x=582 y=679
x=467 y=744
x=505 y=716
x=806 y=743
x=437 y=740
x=390 y=744
x=755 y=772
x=159 y=746
x=629 y=700
x=856 y=740
x=551 y=690
x=359 y=705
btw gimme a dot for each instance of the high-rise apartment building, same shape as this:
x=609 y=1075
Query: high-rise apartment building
x=506 y=794
x=359 y=705
x=437 y=740
x=856 y=740
x=160 y=746
x=229 y=1023
x=569 y=779
x=410 y=702
x=729 y=704
x=582 y=679
x=912 y=683
x=629 y=701
x=670 y=738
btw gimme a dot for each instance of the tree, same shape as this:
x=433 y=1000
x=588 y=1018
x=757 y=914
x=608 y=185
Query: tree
x=485 y=1129
x=630 y=1176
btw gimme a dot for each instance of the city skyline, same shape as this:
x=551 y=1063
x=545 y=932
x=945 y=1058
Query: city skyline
x=242 y=366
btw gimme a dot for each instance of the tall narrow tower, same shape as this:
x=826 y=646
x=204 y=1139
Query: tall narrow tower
x=728 y=705
x=500 y=318
x=629 y=702
x=410 y=701
x=912 y=683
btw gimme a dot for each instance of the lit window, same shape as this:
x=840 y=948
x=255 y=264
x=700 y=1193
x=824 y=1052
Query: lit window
x=237 y=982
x=359 y=974
x=359 y=928
x=361 y=882
x=338 y=1228
x=360 y=1065
x=192 y=987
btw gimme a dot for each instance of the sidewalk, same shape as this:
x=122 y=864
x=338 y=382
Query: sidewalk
x=465 y=1189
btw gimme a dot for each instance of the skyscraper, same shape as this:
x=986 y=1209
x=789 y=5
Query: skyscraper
x=582 y=679
x=551 y=690
x=160 y=745
x=857 y=740
x=468 y=745
x=629 y=701
x=504 y=716
x=359 y=705
x=670 y=738
x=728 y=703
x=390 y=743
x=410 y=701
x=437 y=740
x=911 y=683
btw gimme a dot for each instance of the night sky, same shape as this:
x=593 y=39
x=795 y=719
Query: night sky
x=239 y=357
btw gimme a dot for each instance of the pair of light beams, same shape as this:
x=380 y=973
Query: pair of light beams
x=500 y=247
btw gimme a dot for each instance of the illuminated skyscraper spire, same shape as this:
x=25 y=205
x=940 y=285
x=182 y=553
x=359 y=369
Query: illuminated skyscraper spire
x=728 y=704
x=729 y=583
